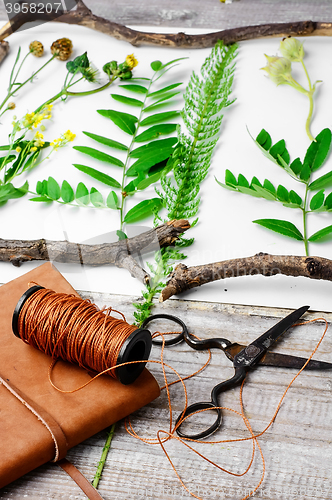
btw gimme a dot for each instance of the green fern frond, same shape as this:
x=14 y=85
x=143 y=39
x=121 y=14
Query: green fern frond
x=205 y=98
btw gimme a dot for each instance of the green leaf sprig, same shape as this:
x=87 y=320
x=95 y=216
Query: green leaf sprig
x=144 y=164
x=313 y=199
x=206 y=96
x=279 y=70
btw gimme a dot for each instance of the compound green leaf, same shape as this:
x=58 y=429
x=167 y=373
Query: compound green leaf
x=281 y=226
x=106 y=141
x=82 y=194
x=43 y=198
x=282 y=193
x=248 y=190
x=99 y=176
x=305 y=173
x=294 y=198
x=157 y=93
x=112 y=200
x=127 y=100
x=322 y=233
x=99 y=155
x=154 y=147
x=53 y=189
x=142 y=210
x=124 y=121
x=156 y=65
x=139 y=89
x=96 y=198
x=322 y=182
x=318 y=150
x=8 y=192
x=67 y=192
x=230 y=178
x=317 y=200
x=159 y=117
x=161 y=102
x=328 y=202
x=264 y=139
x=296 y=166
x=148 y=181
x=242 y=181
x=264 y=193
x=152 y=156
x=269 y=186
x=279 y=149
x=156 y=131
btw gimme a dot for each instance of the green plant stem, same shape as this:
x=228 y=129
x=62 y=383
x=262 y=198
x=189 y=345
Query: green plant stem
x=10 y=92
x=65 y=92
x=103 y=458
x=304 y=212
x=311 y=101
x=124 y=195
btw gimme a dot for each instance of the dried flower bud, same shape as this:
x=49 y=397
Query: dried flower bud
x=36 y=48
x=62 y=48
x=11 y=105
x=292 y=49
x=278 y=69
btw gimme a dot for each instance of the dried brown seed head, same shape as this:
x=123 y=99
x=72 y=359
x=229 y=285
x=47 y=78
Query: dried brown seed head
x=36 y=48
x=62 y=48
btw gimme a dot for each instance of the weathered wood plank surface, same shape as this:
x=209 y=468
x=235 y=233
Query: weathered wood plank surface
x=207 y=14
x=297 y=448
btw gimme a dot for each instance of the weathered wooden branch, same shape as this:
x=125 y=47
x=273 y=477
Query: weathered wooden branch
x=119 y=253
x=83 y=16
x=4 y=49
x=183 y=277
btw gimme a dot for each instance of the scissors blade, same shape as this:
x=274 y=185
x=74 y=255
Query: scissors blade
x=280 y=360
x=251 y=355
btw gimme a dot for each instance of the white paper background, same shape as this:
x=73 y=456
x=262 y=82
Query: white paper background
x=225 y=229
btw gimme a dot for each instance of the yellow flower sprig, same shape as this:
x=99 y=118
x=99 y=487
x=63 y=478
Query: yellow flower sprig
x=63 y=140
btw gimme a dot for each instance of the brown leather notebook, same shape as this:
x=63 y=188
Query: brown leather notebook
x=37 y=422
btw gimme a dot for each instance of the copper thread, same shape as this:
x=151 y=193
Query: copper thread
x=67 y=327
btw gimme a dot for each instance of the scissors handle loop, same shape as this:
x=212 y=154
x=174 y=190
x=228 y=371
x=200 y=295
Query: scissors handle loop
x=207 y=405
x=237 y=378
x=175 y=340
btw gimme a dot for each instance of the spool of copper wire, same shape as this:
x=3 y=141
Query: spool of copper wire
x=67 y=327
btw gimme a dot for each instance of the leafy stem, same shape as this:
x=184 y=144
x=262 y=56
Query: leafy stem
x=315 y=157
x=130 y=148
x=304 y=212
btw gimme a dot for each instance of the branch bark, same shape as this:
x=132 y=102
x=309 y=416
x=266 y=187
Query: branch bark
x=83 y=16
x=119 y=253
x=183 y=277
x=4 y=49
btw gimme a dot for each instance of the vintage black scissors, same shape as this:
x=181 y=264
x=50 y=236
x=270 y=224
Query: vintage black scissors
x=244 y=358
